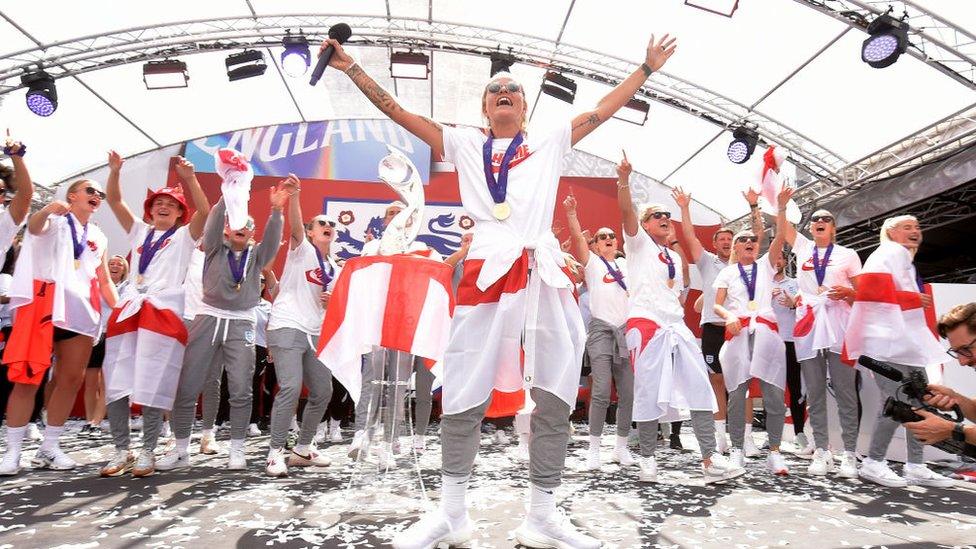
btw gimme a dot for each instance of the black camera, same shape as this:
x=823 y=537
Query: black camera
x=915 y=387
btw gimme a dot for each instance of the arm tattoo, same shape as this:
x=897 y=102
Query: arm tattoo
x=373 y=91
x=591 y=120
x=432 y=124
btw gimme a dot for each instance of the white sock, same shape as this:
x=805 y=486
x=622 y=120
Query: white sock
x=720 y=426
x=542 y=501
x=15 y=439
x=237 y=444
x=594 y=443
x=183 y=446
x=453 y=490
x=52 y=434
x=206 y=433
x=622 y=442
x=748 y=429
x=301 y=449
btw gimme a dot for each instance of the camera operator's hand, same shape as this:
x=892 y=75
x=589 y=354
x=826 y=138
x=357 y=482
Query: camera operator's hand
x=941 y=397
x=932 y=429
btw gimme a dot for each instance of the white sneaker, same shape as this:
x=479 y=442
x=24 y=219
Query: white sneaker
x=236 y=460
x=358 y=441
x=522 y=452
x=848 y=465
x=555 y=530
x=622 y=455
x=749 y=448
x=648 y=469
x=419 y=442
x=10 y=464
x=172 y=461
x=822 y=463
x=209 y=445
x=878 y=472
x=500 y=437
x=719 y=469
x=920 y=475
x=434 y=529
x=34 y=432
x=776 y=464
x=592 y=458
x=166 y=431
x=721 y=442
x=53 y=459
x=276 y=466
x=253 y=431
x=145 y=464
x=135 y=424
x=736 y=459
x=385 y=457
x=804 y=446
x=120 y=463
x=335 y=431
x=313 y=459
x=321 y=434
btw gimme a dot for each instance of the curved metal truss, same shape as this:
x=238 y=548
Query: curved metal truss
x=140 y=44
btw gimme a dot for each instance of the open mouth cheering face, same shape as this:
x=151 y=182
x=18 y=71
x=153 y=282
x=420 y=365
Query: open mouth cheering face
x=240 y=237
x=89 y=194
x=908 y=233
x=746 y=245
x=822 y=224
x=503 y=100
x=165 y=209
x=320 y=230
x=656 y=222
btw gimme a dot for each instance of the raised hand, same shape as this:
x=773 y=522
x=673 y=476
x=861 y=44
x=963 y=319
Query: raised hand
x=658 y=52
x=291 y=183
x=340 y=59
x=570 y=204
x=12 y=147
x=786 y=192
x=624 y=169
x=751 y=196
x=279 y=196
x=115 y=161
x=57 y=207
x=184 y=168
x=680 y=197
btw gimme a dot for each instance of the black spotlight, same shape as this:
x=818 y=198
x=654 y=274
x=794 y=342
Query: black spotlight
x=501 y=62
x=42 y=96
x=888 y=40
x=559 y=86
x=743 y=144
x=296 y=58
x=247 y=64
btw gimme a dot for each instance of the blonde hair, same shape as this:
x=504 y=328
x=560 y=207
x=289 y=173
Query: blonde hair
x=733 y=258
x=891 y=223
x=125 y=265
x=833 y=232
x=649 y=209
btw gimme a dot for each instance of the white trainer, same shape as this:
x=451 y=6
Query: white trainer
x=120 y=463
x=592 y=458
x=804 y=446
x=434 y=529
x=500 y=437
x=253 y=430
x=522 y=452
x=276 y=466
x=736 y=459
x=848 y=466
x=822 y=463
x=53 y=459
x=34 y=432
x=749 y=448
x=10 y=464
x=173 y=460
x=313 y=459
x=555 y=530
x=166 y=431
x=776 y=464
x=419 y=442
x=878 y=472
x=721 y=442
x=648 y=469
x=335 y=431
x=919 y=475
x=236 y=460
x=209 y=445
x=358 y=441
x=622 y=455
x=145 y=464
x=720 y=468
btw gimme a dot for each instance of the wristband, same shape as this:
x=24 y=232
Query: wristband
x=753 y=206
x=959 y=432
x=7 y=150
x=349 y=67
x=648 y=71
x=621 y=187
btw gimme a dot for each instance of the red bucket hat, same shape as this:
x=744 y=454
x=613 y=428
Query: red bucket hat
x=175 y=193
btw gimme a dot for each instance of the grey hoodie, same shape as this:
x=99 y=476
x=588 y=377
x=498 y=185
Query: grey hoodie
x=218 y=283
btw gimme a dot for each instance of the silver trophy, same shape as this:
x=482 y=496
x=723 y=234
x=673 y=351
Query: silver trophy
x=397 y=171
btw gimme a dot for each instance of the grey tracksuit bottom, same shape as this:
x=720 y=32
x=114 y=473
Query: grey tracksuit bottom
x=118 y=420
x=424 y=396
x=605 y=367
x=391 y=366
x=774 y=400
x=702 y=423
x=220 y=341
x=295 y=363
x=843 y=383
x=884 y=427
x=461 y=436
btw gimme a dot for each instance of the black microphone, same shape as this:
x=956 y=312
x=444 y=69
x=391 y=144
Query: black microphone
x=881 y=368
x=340 y=32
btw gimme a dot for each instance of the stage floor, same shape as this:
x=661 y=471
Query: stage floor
x=208 y=506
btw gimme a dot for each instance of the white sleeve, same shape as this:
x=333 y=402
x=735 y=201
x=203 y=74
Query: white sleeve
x=722 y=279
x=454 y=139
x=802 y=245
x=138 y=232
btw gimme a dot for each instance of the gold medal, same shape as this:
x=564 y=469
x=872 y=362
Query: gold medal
x=670 y=283
x=77 y=264
x=237 y=287
x=753 y=305
x=139 y=279
x=821 y=289
x=501 y=211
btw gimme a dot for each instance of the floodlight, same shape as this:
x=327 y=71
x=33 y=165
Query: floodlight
x=296 y=58
x=743 y=144
x=410 y=65
x=888 y=40
x=168 y=73
x=42 y=95
x=635 y=112
x=559 y=86
x=246 y=64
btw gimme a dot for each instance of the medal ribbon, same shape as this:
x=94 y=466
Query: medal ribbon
x=820 y=268
x=616 y=273
x=149 y=248
x=667 y=259
x=326 y=276
x=750 y=282
x=79 y=247
x=237 y=267
x=920 y=282
x=499 y=188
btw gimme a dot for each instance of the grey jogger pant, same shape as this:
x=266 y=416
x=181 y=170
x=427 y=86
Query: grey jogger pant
x=461 y=436
x=843 y=383
x=702 y=423
x=884 y=427
x=295 y=363
x=604 y=367
x=394 y=368
x=210 y=404
x=775 y=404
x=227 y=342
x=118 y=420
x=424 y=397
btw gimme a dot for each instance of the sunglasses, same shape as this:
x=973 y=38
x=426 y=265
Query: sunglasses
x=742 y=239
x=323 y=223
x=511 y=87
x=606 y=236
x=661 y=215
x=964 y=351
x=92 y=191
x=822 y=218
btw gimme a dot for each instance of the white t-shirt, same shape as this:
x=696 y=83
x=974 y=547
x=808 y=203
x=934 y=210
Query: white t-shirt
x=785 y=317
x=80 y=315
x=709 y=265
x=169 y=267
x=737 y=299
x=650 y=296
x=843 y=265
x=6 y=315
x=607 y=299
x=299 y=304
x=533 y=175
x=8 y=230
x=261 y=313
x=193 y=296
